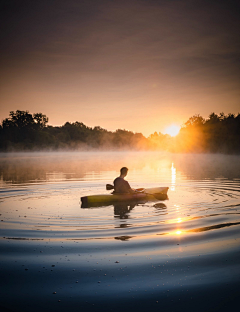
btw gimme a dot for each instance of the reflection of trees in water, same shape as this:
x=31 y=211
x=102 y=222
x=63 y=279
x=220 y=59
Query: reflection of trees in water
x=27 y=167
x=206 y=166
x=23 y=168
x=21 y=173
x=42 y=168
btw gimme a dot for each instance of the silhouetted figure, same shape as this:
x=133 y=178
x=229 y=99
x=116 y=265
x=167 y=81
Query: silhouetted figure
x=121 y=185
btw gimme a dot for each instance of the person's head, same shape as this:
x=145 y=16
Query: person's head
x=124 y=171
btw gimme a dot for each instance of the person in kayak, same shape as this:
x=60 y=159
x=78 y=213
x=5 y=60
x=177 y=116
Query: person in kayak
x=121 y=185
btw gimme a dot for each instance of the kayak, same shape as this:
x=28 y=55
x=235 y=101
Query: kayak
x=148 y=194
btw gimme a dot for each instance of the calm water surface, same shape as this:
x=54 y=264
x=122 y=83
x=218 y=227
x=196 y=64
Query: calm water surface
x=140 y=253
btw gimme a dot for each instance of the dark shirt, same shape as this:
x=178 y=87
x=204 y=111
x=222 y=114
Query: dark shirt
x=121 y=186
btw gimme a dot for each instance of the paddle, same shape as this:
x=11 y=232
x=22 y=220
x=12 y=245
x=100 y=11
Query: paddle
x=111 y=187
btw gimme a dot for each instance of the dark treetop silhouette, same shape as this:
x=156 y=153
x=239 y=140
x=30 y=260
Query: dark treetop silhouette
x=24 y=131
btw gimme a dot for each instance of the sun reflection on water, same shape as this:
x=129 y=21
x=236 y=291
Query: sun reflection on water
x=195 y=205
x=173 y=170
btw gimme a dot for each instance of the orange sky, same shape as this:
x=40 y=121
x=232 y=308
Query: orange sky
x=136 y=65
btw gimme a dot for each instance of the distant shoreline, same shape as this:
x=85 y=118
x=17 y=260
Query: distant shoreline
x=23 y=131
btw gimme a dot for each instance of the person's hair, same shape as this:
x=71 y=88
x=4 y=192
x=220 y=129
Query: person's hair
x=124 y=170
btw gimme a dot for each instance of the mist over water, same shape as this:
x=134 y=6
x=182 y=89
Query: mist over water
x=43 y=224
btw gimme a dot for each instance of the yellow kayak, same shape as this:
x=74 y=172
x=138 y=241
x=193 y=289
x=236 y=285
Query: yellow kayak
x=157 y=193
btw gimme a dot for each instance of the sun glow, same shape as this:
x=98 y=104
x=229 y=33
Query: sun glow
x=172 y=130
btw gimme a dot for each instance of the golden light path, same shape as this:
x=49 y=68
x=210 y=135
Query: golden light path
x=173 y=171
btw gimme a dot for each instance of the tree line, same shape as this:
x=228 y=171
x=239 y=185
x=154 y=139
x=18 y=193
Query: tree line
x=24 y=131
x=216 y=134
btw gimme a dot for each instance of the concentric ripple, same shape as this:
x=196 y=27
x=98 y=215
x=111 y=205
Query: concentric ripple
x=50 y=208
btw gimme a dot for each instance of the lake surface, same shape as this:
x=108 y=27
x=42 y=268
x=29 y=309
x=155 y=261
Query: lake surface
x=181 y=254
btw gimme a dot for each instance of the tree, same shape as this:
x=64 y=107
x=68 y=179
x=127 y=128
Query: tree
x=21 y=129
x=195 y=120
x=40 y=119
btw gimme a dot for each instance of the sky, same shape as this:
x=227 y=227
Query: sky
x=139 y=65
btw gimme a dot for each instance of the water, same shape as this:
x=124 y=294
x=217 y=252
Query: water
x=128 y=256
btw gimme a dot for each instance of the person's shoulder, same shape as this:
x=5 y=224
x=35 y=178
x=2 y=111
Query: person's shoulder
x=117 y=179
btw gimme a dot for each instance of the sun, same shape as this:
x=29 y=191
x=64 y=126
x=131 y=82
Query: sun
x=172 y=130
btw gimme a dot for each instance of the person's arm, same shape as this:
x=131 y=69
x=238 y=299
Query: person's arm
x=128 y=188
